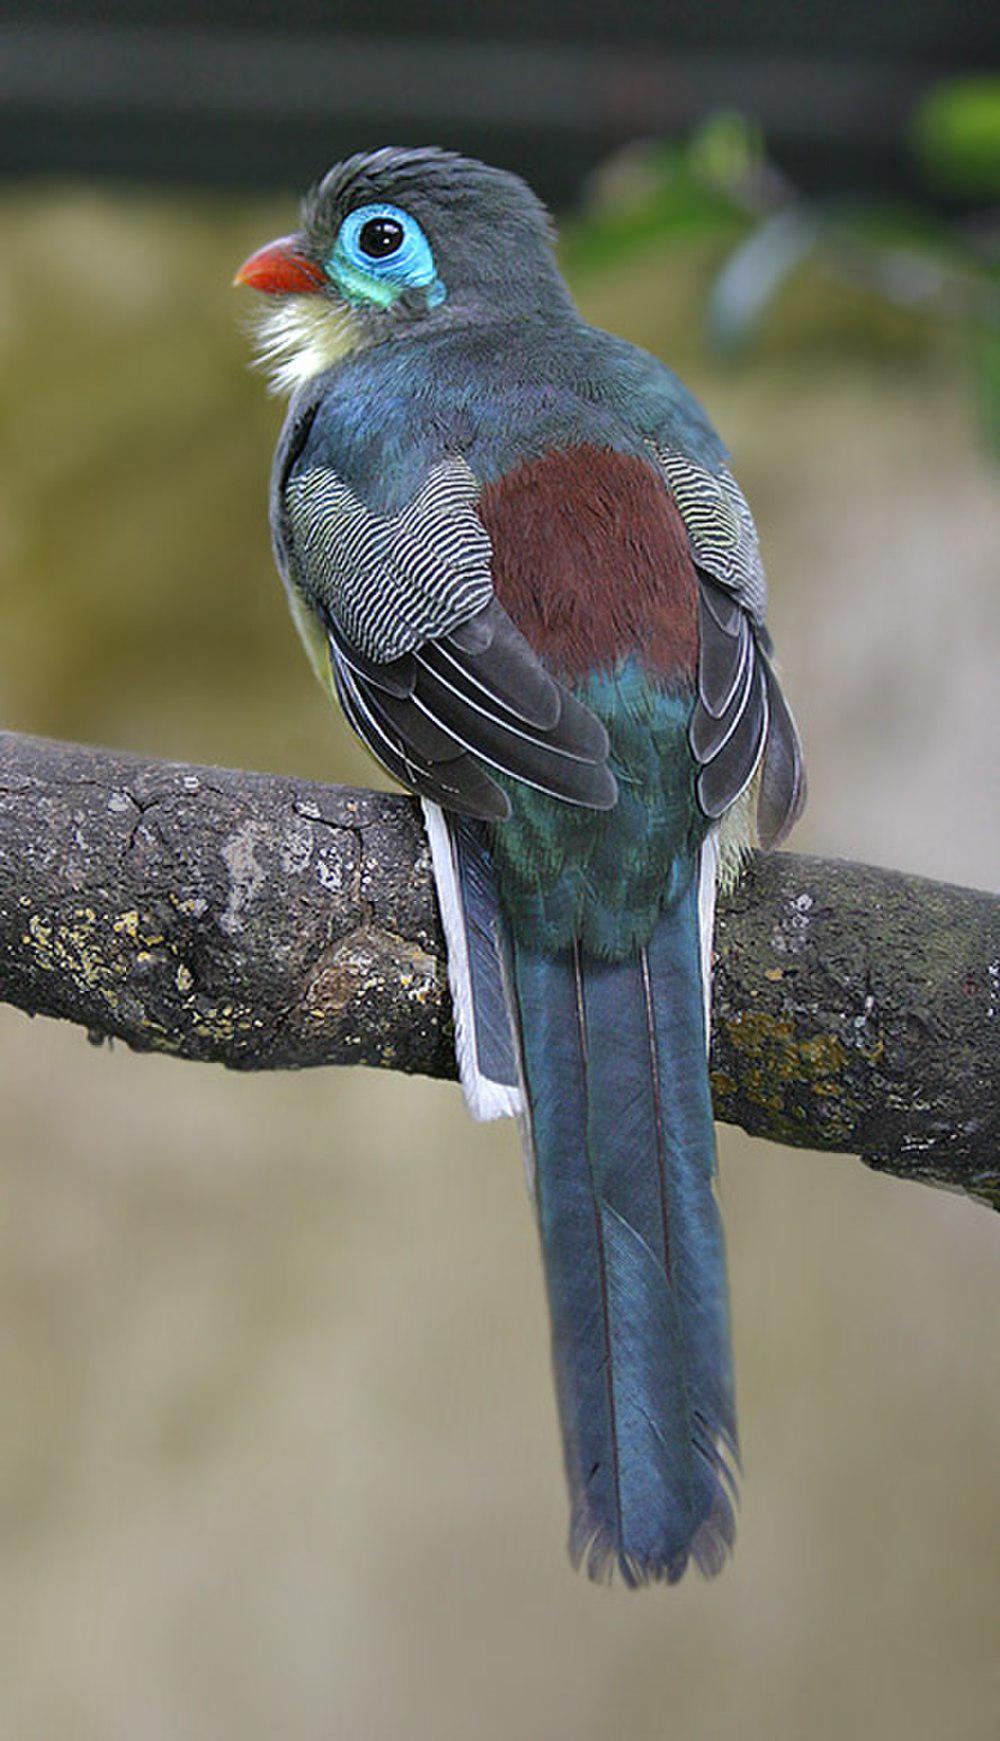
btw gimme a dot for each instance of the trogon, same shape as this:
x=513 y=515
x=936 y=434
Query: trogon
x=516 y=553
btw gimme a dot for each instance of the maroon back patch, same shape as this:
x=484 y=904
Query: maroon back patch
x=591 y=561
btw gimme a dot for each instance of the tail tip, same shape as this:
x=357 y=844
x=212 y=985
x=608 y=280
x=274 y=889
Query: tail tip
x=602 y=1556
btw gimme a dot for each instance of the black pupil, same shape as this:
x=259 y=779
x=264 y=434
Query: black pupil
x=380 y=237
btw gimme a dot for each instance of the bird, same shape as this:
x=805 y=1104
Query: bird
x=517 y=555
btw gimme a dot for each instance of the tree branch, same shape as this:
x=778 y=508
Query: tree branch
x=268 y=923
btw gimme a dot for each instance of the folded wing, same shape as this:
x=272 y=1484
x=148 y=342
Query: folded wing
x=741 y=723
x=429 y=669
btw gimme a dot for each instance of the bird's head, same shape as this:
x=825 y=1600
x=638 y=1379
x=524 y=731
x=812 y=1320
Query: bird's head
x=397 y=242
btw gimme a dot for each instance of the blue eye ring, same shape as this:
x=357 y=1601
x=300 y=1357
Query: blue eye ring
x=409 y=265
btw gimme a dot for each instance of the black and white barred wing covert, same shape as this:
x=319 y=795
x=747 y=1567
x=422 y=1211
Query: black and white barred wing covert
x=430 y=671
x=741 y=722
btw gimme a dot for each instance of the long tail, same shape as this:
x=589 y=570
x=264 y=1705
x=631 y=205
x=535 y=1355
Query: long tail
x=613 y=1055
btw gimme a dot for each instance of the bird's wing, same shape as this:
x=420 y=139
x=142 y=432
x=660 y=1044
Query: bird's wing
x=430 y=671
x=741 y=721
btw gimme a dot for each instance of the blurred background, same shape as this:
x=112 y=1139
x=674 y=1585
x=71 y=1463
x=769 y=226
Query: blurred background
x=278 y=1453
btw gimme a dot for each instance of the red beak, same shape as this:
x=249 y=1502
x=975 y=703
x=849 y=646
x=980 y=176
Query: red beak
x=279 y=269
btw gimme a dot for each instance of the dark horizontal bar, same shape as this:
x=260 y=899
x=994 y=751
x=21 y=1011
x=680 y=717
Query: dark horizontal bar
x=187 y=73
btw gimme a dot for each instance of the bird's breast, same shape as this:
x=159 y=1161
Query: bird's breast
x=591 y=560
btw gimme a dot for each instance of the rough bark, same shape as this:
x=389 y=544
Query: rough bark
x=268 y=923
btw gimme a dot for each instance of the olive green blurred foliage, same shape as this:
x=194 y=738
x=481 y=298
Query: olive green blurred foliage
x=138 y=584
x=956 y=134
x=862 y=264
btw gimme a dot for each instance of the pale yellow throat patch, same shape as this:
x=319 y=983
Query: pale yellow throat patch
x=297 y=337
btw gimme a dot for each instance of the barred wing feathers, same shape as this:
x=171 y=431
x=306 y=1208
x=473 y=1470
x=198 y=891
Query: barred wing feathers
x=720 y=527
x=741 y=723
x=392 y=582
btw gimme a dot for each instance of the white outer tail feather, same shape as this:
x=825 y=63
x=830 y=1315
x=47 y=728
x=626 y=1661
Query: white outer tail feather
x=708 y=878
x=484 y=1099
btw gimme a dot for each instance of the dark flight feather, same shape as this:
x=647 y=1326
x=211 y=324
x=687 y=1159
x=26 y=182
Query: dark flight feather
x=455 y=781
x=496 y=1052
x=782 y=796
x=741 y=721
x=497 y=705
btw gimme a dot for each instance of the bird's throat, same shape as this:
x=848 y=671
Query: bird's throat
x=298 y=337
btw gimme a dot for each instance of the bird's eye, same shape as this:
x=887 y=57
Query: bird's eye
x=380 y=253
x=381 y=237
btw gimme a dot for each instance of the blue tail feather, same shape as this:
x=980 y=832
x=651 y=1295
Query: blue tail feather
x=621 y=1124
